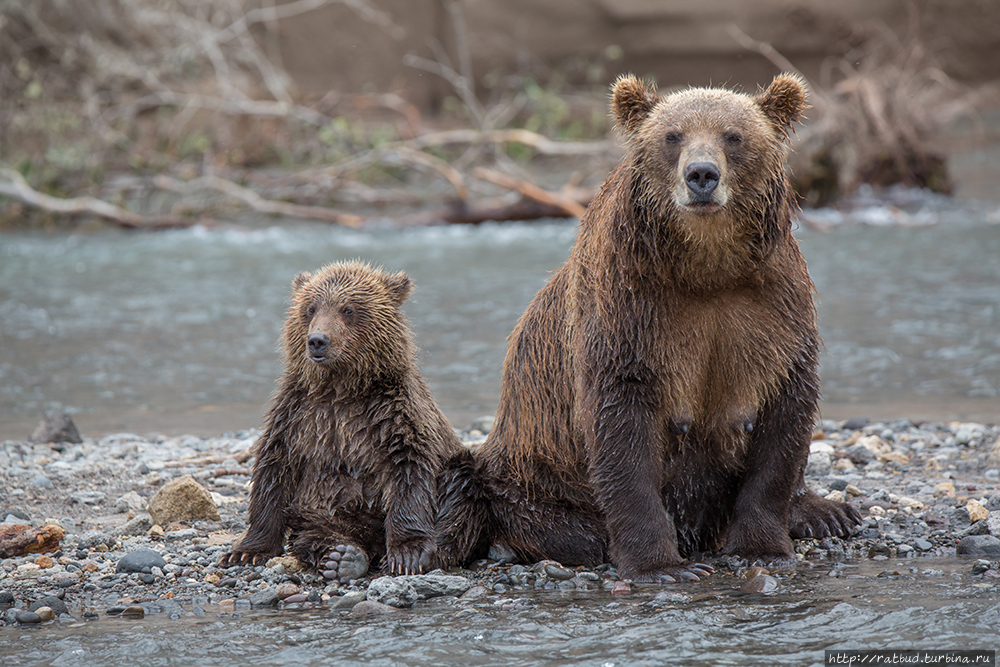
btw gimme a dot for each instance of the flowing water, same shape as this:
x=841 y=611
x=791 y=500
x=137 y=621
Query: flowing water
x=926 y=604
x=176 y=331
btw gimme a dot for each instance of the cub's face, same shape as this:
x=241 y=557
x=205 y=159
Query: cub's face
x=705 y=149
x=347 y=313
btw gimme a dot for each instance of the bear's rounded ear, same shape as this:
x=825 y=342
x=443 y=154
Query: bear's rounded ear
x=301 y=280
x=784 y=100
x=631 y=102
x=399 y=286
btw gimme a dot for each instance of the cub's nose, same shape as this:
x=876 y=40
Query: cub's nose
x=702 y=179
x=318 y=342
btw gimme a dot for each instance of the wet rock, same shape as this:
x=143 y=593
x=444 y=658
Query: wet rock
x=922 y=544
x=133 y=611
x=558 y=572
x=265 y=598
x=52 y=602
x=621 y=588
x=392 y=591
x=372 y=608
x=979 y=545
x=182 y=499
x=27 y=618
x=45 y=614
x=980 y=566
x=139 y=560
x=959 y=518
x=348 y=600
x=58 y=428
x=669 y=597
x=859 y=454
x=761 y=584
x=94 y=538
x=6 y=598
x=286 y=590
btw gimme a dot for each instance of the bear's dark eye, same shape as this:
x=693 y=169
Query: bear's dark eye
x=311 y=310
x=733 y=138
x=672 y=137
x=347 y=311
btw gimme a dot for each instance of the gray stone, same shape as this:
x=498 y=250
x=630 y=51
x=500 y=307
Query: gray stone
x=130 y=501
x=50 y=601
x=265 y=598
x=28 y=618
x=404 y=591
x=41 y=481
x=137 y=526
x=558 y=572
x=139 y=560
x=855 y=423
x=348 y=600
x=922 y=544
x=92 y=538
x=819 y=464
x=762 y=583
x=87 y=497
x=979 y=545
x=393 y=591
x=57 y=427
x=859 y=454
x=993 y=523
x=372 y=608
x=483 y=424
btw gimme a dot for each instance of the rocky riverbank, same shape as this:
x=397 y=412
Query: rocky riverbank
x=132 y=525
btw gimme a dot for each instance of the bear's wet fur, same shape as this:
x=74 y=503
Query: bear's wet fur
x=347 y=463
x=659 y=394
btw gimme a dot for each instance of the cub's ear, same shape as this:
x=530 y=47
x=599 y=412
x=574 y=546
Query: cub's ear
x=631 y=102
x=784 y=100
x=399 y=286
x=301 y=280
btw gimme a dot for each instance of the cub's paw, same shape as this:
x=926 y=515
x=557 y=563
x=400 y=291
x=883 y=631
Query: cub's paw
x=345 y=563
x=240 y=557
x=678 y=573
x=812 y=516
x=413 y=557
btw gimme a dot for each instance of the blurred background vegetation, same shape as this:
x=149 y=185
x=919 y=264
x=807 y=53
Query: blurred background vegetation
x=174 y=112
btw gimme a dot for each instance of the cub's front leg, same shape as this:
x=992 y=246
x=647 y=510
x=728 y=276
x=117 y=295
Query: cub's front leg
x=409 y=522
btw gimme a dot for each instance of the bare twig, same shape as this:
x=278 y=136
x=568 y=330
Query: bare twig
x=258 y=203
x=18 y=188
x=531 y=191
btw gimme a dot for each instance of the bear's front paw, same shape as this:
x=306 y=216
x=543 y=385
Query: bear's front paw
x=411 y=557
x=345 y=563
x=240 y=556
x=812 y=516
x=668 y=575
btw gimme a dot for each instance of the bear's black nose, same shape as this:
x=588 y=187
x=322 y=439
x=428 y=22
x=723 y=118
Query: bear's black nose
x=702 y=178
x=318 y=343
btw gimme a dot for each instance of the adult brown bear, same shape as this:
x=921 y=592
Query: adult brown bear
x=659 y=394
x=346 y=467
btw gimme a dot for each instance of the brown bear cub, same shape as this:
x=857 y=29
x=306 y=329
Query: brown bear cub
x=659 y=394
x=346 y=467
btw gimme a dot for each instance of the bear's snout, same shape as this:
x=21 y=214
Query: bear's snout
x=317 y=344
x=702 y=178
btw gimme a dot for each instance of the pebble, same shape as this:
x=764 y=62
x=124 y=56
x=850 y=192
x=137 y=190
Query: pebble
x=139 y=560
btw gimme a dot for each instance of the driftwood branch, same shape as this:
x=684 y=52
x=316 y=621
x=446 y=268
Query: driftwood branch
x=241 y=456
x=17 y=188
x=569 y=205
x=258 y=203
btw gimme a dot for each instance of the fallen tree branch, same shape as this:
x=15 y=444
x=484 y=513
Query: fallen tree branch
x=241 y=456
x=16 y=187
x=569 y=205
x=258 y=203
x=539 y=142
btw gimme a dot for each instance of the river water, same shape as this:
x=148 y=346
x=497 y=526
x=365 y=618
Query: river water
x=915 y=604
x=176 y=331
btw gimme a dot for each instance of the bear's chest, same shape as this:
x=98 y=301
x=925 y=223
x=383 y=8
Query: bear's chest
x=325 y=441
x=724 y=356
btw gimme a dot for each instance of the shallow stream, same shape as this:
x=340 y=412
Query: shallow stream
x=176 y=331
